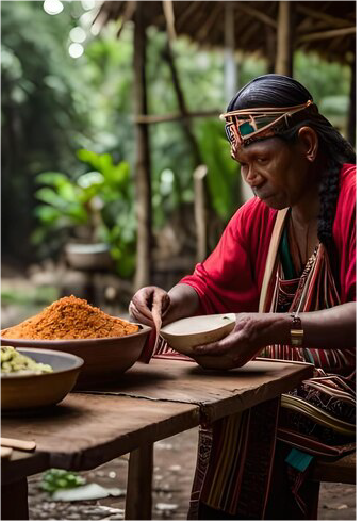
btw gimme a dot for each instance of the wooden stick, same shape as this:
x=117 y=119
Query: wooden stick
x=6 y=452
x=18 y=444
x=256 y=13
x=321 y=35
x=340 y=22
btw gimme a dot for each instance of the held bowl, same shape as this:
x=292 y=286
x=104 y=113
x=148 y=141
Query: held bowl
x=105 y=359
x=183 y=335
x=32 y=391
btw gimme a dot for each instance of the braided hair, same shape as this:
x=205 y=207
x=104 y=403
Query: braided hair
x=273 y=90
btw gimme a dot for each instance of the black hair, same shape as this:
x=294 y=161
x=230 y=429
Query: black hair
x=273 y=90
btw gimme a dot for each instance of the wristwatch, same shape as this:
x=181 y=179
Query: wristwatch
x=296 y=332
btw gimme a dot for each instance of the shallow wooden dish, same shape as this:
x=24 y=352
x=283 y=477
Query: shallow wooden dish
x=105 y=359
x=189 y=332
x=33 y=391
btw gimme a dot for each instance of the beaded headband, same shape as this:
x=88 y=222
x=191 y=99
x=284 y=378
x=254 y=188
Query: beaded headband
x=248 y=125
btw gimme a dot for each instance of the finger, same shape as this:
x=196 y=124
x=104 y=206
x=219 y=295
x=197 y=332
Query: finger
x=139 y=317
x=218 y=348
x=142 y=300
x=165 y=303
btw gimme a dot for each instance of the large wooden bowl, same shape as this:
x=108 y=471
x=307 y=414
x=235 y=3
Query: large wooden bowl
x=187 y=333
x=26 y=391
x=105 y=359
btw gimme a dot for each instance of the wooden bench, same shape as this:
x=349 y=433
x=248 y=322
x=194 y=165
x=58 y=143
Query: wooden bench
x=342 y=470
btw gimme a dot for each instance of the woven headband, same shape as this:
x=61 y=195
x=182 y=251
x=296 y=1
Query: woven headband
x=248 y=125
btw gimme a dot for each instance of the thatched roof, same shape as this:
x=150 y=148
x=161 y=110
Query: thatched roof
x=328 y=28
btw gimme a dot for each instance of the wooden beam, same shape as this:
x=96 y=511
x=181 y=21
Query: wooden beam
x=284 y=59
x=149 y=119
x=351 y=127
x=209 y=23
x=187 y=14
x=320 y=15
x=142 y=170
x=241 y=6
x=323 y=35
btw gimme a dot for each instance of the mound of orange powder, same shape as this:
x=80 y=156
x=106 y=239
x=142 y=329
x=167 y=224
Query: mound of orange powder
x=70 y=318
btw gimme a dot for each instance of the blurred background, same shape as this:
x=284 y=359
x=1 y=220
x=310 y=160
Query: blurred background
x=114 y=159
x=116 y=172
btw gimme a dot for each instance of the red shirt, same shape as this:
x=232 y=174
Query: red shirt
x=232 y=276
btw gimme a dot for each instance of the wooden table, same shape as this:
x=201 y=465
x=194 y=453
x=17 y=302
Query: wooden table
x=151 y=402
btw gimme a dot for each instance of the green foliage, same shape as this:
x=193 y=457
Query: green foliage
x=223 y=173
x=100 y=200
x=57 y=479
x=54 y=106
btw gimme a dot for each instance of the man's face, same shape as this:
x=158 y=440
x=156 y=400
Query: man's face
x=276 y=171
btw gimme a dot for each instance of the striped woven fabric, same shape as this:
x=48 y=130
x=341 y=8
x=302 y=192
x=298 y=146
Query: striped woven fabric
x=314 y=290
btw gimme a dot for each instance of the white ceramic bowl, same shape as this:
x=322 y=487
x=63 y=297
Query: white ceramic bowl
x=189 y=332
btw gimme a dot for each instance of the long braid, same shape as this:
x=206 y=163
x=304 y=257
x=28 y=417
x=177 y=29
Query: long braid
x=337 y=151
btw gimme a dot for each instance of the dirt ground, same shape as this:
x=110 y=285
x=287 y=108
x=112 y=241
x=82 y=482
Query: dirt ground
x=174 y=464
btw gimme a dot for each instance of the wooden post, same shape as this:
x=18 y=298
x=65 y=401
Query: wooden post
x=201 y=211
x=229 y=62
x=142 y=173
x=138 y=498
x=270 y=35
x=284 y=59
x=351 y=129
x=14 y=500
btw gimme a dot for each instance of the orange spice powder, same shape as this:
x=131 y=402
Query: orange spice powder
x=70 y=318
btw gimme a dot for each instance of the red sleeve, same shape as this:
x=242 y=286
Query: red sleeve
x=226 y=281
x=344 y=233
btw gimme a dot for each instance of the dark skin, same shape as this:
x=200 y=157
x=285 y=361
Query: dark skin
x=282 y=175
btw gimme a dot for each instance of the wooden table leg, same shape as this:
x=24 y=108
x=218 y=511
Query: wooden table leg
x=138 y=499
x=14 y=500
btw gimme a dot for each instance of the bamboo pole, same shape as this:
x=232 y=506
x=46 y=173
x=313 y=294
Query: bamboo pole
x=142 y=173
x=284 y=59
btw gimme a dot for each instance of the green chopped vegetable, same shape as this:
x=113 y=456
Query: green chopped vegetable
x=14 y=362
x=55 y=479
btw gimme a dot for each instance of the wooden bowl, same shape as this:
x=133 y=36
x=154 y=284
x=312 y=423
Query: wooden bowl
x=105 y=359
x=189 y=332
x=26 y=391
